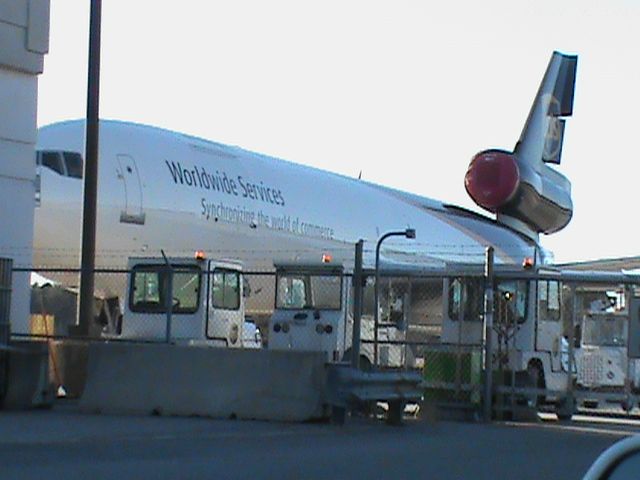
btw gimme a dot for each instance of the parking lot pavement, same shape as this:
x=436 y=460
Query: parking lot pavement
x=66 y=444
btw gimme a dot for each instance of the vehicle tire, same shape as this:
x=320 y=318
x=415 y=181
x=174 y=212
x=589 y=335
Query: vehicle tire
x=338 y=415
x=626 y=406
x=365 y=363
x=590 y=404
x=565 y=409
x=536 y=380
x=395 y=412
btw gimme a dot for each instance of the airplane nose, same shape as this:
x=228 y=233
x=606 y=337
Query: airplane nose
x=492 y=179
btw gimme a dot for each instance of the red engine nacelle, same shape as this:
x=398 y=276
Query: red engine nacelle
x=509 y=186
x=492 y=179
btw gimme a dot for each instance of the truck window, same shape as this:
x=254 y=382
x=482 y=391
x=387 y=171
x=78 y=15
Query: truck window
x=308 y=291
x=291 y=292
x=368 y=296
x=149 y=284
x=472 y=289
x=604 y=330
x=394 y=298
x=511 y=301
x=225 y=291
x=549 y=300
x=326 y=292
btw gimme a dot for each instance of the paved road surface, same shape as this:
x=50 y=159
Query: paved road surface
x=67 y=445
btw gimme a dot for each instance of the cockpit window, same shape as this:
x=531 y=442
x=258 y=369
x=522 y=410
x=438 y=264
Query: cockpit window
x=52 y=160
x=73 y=161
x=67 y=164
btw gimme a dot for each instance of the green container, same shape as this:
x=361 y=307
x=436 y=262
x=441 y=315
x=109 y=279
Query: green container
x=454 y=369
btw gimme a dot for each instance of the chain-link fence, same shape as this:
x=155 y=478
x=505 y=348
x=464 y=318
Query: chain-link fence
x=551 y=340
x=207 y=303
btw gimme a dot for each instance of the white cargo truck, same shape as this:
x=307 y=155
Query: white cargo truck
x=528 y=328
x=314 y=312
x=601 y=360
x=207 y=303
x=532 y=321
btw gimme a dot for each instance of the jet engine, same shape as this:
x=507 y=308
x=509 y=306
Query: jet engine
x=501 y=183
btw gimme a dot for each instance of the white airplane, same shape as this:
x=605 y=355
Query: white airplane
x=165 y=190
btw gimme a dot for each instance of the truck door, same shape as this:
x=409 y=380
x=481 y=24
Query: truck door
x=225 y=317
x=463 y=309
x=549 y=325
x=132 y=207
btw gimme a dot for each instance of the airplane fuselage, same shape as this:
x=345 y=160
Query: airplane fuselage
x=164 y=190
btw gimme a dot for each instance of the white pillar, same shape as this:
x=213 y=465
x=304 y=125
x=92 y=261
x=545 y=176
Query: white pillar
x=24 y=40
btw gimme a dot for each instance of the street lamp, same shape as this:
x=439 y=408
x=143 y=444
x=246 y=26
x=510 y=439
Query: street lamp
x=408 y=233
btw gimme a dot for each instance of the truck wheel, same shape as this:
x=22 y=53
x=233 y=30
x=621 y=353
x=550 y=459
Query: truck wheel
x=338 y=415
x=565 y=409
x=536 y=380
x=394 y=414
x=365 y=364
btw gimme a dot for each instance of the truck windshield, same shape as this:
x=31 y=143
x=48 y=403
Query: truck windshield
x=511 y=298
x=148 y=289
x=466 y=296
x=308 y=291
x=604 y=331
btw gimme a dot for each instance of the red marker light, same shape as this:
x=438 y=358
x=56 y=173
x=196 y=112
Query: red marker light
x=326 y=258
x=527 y=263
x=199 y=255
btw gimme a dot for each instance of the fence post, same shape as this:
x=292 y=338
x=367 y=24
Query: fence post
x=406 y=321
x=628 y=401
x=357 y=306
x=488 y=328
x=6 y=265
x=169 y=297
x=633 y=337
x=567 y=407
x=458 y=352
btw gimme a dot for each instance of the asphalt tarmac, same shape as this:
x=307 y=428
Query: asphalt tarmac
x=65 y=444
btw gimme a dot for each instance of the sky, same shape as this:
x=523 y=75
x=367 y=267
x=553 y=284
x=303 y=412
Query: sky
x=405 y=92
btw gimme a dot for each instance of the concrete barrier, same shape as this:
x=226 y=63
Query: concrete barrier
x=204 y=381
x=68 y=366
x=28 y=383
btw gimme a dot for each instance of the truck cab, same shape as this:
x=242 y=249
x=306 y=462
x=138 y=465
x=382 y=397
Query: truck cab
x=601 y=359
x=310 y=313
x=206 y=301
x=528 y=326
x=314 y=312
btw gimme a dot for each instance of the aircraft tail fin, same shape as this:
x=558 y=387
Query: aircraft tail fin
x=520 y=187
x=543 y=133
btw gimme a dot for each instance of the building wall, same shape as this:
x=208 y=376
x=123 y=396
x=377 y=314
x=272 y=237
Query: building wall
x=24 y=39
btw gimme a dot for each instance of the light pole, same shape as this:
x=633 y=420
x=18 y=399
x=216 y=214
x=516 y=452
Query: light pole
x=408 y=233
x=89 y=210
